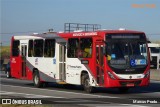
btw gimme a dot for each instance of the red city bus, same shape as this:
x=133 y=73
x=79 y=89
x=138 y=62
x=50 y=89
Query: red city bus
x=97 y=58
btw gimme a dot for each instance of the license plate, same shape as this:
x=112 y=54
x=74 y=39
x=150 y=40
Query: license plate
x=130 y=84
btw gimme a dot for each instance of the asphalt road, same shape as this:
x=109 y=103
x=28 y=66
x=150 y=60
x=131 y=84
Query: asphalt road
x=62 y=95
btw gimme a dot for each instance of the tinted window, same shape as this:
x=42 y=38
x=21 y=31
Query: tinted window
x=15 y=48
x=38 y=48
x=30 y=49
x=49 y=48
x=73 y=45
x=86 y=47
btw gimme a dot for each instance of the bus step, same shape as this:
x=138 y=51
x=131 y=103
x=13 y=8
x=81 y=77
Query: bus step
x=62 y=82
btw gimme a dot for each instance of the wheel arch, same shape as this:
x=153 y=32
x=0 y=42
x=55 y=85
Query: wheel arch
x=35 y=70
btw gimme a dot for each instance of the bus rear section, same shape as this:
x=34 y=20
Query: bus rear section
x=34 y=57
x=18 y=59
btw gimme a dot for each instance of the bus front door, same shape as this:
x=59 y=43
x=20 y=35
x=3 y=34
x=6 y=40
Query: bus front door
x=23 y=55
x=62 y=61
x=99 y=64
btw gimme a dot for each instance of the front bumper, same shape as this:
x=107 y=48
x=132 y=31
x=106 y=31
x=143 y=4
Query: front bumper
x=127 y=82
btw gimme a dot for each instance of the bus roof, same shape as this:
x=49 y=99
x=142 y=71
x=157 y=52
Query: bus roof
x=121 y=31
x=72 y=34
x=36 y=36
x=94 y=33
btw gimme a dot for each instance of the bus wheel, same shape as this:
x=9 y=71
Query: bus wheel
x=123 y=89
x=86 y=84
x=36 y=80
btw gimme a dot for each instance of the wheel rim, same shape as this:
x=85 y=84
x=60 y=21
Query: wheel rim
x=36 y=79
x=87 y=85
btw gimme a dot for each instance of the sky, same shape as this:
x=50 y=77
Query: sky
x=19 y=17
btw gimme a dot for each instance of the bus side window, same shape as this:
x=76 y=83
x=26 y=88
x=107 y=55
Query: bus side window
x=73 y=45
x=38 y=48
x=49 y=48
x=30 y=49
x=15 y=48
x=86 y=47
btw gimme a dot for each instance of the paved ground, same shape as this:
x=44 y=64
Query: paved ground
x=75 y=96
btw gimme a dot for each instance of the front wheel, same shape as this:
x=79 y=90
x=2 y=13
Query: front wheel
x=86 y=84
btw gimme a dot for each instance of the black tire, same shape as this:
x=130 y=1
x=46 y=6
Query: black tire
x=36 y=80
x=86 y=84
x=123 y=89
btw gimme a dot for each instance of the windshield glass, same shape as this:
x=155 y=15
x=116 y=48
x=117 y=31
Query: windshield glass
x=126 y=51
x=155 y=49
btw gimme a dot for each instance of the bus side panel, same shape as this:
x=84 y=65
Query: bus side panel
x=16 y=67
x=29 y=73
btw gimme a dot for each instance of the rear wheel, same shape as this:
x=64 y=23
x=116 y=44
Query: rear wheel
x=86 y=84
x=36 y=80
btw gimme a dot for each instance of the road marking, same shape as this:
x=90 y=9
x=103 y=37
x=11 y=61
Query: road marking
x=11 y=79
x=72 y=101
x=43 y=96
x=28 y=95
x=99 y=96
x=126 y=105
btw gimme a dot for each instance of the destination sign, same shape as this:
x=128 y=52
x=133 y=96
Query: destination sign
x=140 y=36
x=125 y=37
x=85 y=34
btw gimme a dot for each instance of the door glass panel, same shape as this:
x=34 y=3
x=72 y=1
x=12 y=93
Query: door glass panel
x=23 y=53
x=15 y=48
x=97 y=54
x=62 y=53
x=101 y=56
x=99 y=64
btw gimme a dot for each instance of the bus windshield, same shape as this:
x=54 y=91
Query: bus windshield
x=126 y=51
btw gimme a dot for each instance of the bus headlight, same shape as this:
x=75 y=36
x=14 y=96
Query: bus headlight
x=111 y=75
x=147 y=74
